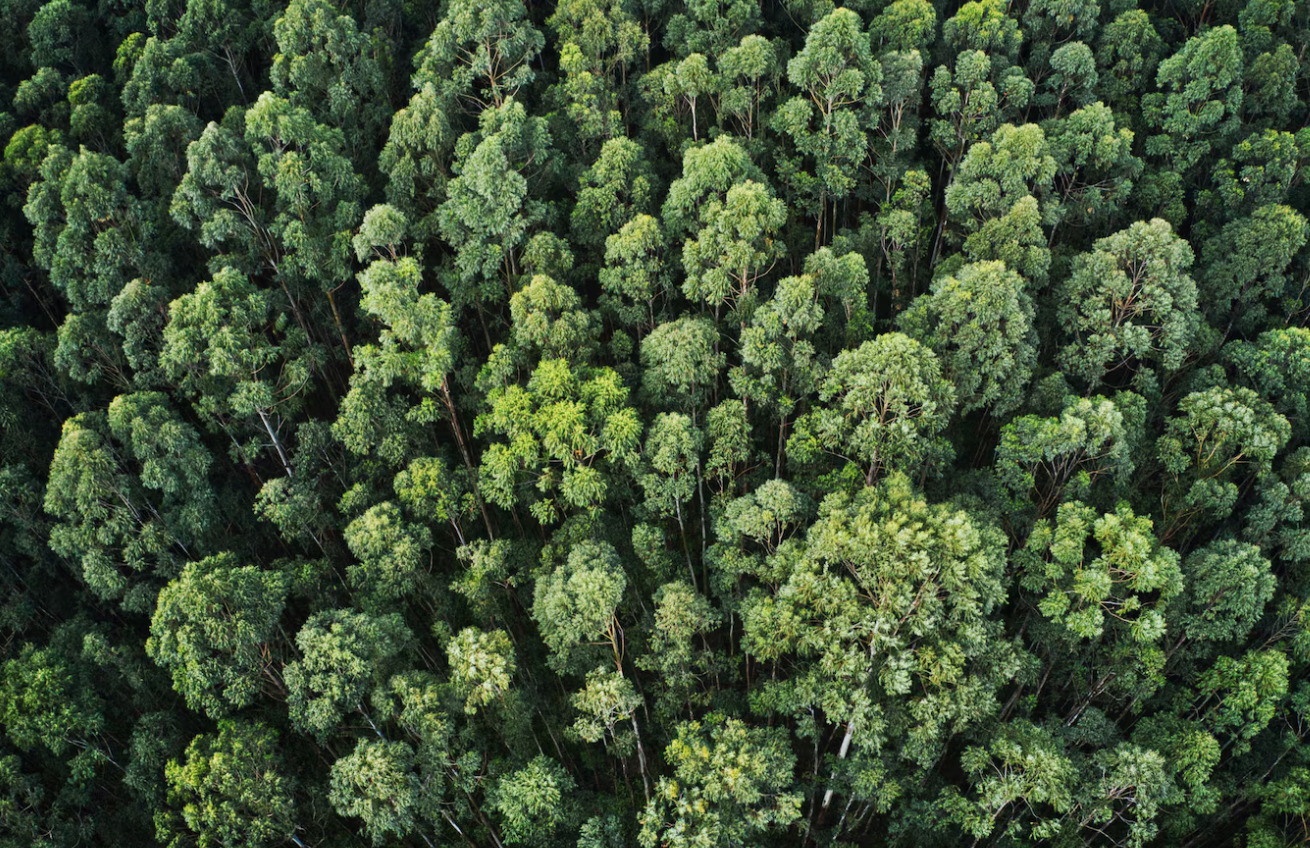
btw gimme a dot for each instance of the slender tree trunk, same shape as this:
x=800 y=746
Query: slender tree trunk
x=641 y=757
x=841 y=755
x=277 y=444
x=336 y=316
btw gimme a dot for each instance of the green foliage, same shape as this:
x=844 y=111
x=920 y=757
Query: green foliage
x=1129 y=303
x=1220 y=438
x=889 y=610
x=654 y=422
x=229 y=790
x=575 y=605
x=118 y=518
x=979 y=322
x=562 y=434
x=1091 y=571
x=992 y=196
x=375 y=783
x=887 y=405
x=343 y=654
x=532 y=802
x=729 y=786
x=46 y=701
x=212 y=629
x=838 y=79
x=481 y=666
x=1041 y=460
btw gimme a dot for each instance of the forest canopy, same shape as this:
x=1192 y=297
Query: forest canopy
x=660 y=423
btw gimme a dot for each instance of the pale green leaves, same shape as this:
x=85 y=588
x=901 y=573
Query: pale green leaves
x=1097 y=569
x=230 y=790
x=731 y=787
x=343 y=654
x=482 y=666
x=608 y=699
x=1130 y=303
x=559 y=434
x=532 y=802
x=376 y=783
x=886 y=404
x=575 y=605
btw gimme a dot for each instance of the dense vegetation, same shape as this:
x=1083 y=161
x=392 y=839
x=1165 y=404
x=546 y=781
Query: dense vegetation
x=654 y=422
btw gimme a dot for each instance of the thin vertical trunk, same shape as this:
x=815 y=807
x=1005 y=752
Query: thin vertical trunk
x=841 y=755
x=277 y=444
x=336 y=316
x=641 y=757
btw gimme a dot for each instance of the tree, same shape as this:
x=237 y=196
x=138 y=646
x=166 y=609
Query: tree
x=1237 y=697
x=674 y=89
x=604 y=703
x=326 y=65
x=970 y=105
x=732 y=785
x=532 y=802
x=983 y=25
x=598 y=43
x=710 y=26
x=681 y=361
x=635 y=277
x=483 y=54
x=47 y=701
x=1095 y=168
x=979 y=322
x=1104 y=578
x=994 y=198
x=734 y=248
x=1129 y=304
x=1043 y=461
x=88 y=232
x=376 y=783
x=131 y=493
x=1275 y=365
x=1227 y=585
x=488 y=211
x=887 y=613
x=1220 y=437
x=213 y=627
x=616 y=189
x=751 y=72
x=1023 y=781
x=905 y=25
x=840 y=79
x=278 y=191
x=886 y=406
x=562 y=433
x=482 y=666
x=229 y=790
x=245 y=370
x=1248 y=271
x=1200 y=97
x=672 y=454
x=1073 y=79
x=681 y=616
x=576 y=604
x=779 y=364
x=343 y=655
x=390 y=552
x=547 y=319
x=1128 y=51
x=708 y=172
